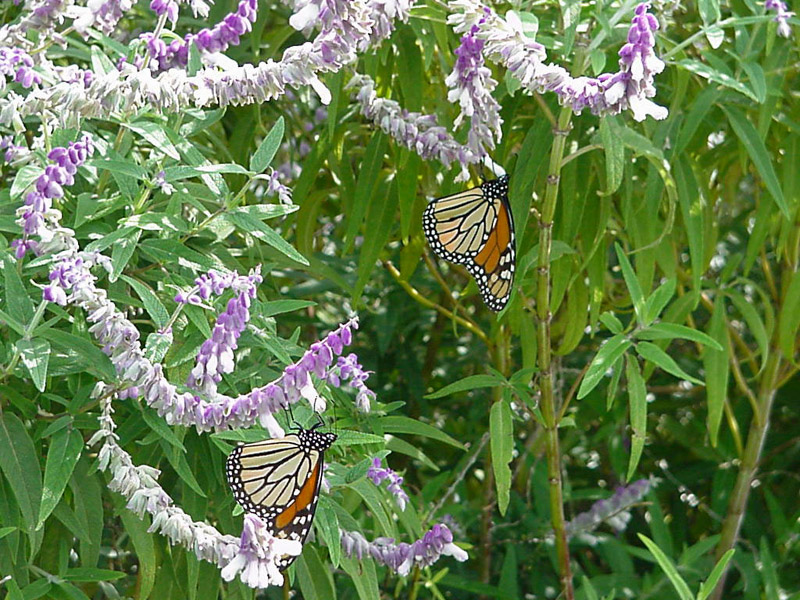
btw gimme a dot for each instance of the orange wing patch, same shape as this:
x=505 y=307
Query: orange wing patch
x=304 y=498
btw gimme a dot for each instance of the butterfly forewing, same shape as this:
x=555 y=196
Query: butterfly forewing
x=279 y=480
x=475 y=228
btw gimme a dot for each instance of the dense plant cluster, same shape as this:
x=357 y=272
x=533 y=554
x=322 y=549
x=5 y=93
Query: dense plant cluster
x=212 y=235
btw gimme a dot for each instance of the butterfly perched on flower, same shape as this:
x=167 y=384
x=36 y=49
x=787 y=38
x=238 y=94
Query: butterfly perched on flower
x=475 y=228
x=279 y=480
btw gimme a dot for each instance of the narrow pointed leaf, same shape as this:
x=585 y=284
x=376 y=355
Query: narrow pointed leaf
x=603 y=360
x=269 y=146
x=65 y=450
x=661 y=359
x=715 y=363
x=637 y=399
x=632 y=283
x=669 y=331
x=669 y=569
x=501 y=435
x=710 y=583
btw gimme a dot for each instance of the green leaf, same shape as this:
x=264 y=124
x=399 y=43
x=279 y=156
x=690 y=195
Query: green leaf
x=279 y=307
x=666 y=565
x=327 y=523
x=772 y=585
x=608 y=354
x=24 y=179
x=615 y=156
x=369 y=493
x=195 y=62
x=710 y=583
x=152 y=304
x=381 y=217
x=789 y=318
x=101 y=64
x=367 y=180
x=266 y=234
x=364 y=577
x=755 y=147
x=716 y=366
x=143 y=545
x=88 y=574
x=691 y=203
x=393 y=424
x=177 y=458
x=159 y=425
x=661 y=359
x=269 y=146
x=18 y=302
x=157 y=346
x=395 y=444
x=122 y=167
x=757 y=79
x=612 y=323
x=35 y=355
x=20 y=465
x=707 y=72
x=349 y=437
x=314 y=577
x=65 y=450
x=155 y=134
x=639 y=143
x=501 y=441
x=632 y=283
x=658 y=300
x=94 y=359
x=753 y=320
x=122 y=252
x=669 y=331
x=473 y=382
x=637 y=398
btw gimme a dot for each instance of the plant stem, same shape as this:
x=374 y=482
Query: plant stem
x=546 y=375
x=747 y=472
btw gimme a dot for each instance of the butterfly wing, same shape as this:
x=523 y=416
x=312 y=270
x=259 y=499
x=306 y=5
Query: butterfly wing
x=475 y=228
x=278 y=480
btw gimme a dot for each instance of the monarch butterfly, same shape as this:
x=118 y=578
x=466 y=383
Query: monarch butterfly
x=475 y=228
x=279 y=481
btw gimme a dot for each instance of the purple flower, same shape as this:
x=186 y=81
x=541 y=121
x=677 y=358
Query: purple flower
x=103 y=14
x=437 y=542
x=216 y=354
x=216 y=282
x=12 y=150
x=216 y=39
x=18 y=65
x=255 y=561
x=37 y=216
x=275 y=187
x=471 y=86
x=350 y=370
x=120 y=341
x=416 y=131
x=168 y=7
x=610 y=93
x=377 y=474
x=613 y=510
x=782 y=16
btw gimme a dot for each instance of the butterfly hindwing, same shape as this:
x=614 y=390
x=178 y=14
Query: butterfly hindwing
x=279 y=480
x=475 y=228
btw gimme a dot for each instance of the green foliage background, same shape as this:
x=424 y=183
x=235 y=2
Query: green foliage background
x=692 y=222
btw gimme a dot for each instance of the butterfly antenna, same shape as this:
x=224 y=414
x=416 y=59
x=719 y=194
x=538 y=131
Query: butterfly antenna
x=291 y=417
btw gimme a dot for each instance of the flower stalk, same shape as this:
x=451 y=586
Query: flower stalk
x=737 y=503
x=544 y=316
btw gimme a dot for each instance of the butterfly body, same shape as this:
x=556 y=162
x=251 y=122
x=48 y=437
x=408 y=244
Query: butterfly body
x=475 y=228
x=279 y=480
